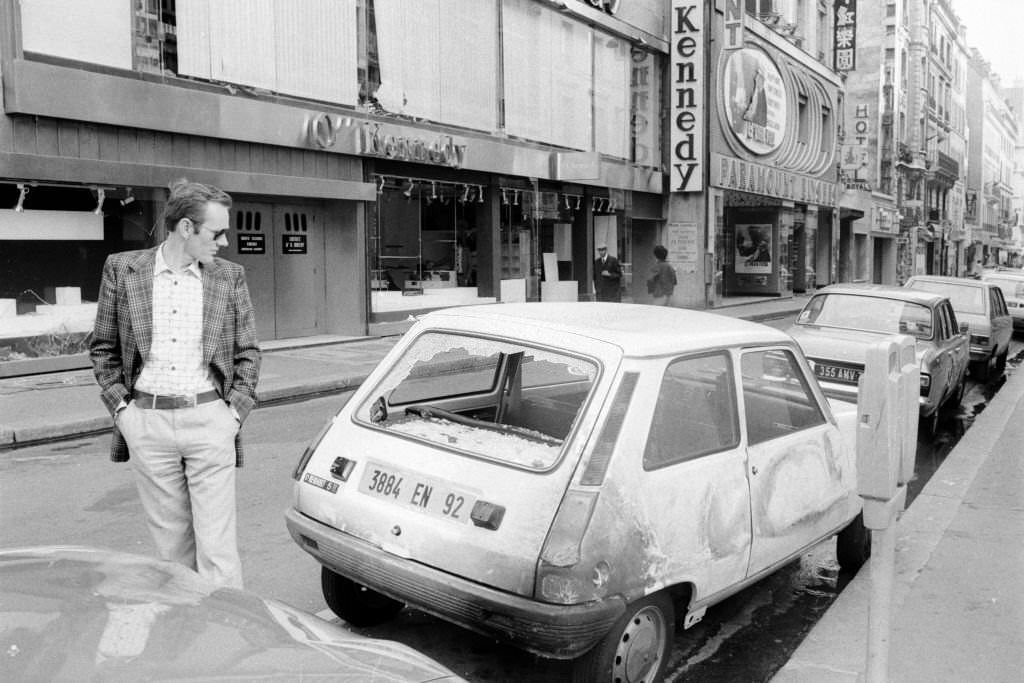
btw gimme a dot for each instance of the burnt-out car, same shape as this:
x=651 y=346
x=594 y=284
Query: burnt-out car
x=570 y=477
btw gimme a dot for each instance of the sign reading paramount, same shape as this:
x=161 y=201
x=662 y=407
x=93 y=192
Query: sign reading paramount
x=687 y=98
x=746 y=176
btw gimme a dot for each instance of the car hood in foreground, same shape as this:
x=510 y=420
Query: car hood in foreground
x=87 y=614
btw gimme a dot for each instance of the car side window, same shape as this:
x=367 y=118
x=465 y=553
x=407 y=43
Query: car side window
x=696 y=411
x=945 y=324
x=998 y=302
x=776 y=396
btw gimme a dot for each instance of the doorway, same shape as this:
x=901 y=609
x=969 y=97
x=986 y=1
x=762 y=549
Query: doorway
x=282 y=249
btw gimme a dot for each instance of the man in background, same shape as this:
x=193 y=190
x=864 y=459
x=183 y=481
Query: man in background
x=607 y=276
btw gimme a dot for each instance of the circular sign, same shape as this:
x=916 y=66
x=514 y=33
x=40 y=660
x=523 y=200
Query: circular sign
x=755 y=100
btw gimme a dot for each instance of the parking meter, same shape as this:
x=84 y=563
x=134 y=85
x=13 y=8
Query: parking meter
x=887 y=409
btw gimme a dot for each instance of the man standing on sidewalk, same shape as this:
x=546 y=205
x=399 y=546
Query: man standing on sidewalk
x=174 y=351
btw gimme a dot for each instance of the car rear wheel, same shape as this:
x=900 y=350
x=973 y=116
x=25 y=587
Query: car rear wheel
x=355 y=603
x=853 y=545
x=637 y=648
x=981 y=369
x=1001 y=362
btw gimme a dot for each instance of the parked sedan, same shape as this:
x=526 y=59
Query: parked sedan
x=1011 y=282
x=84 y=614
x=840 y=322
x=981 y=305
x=569 y=477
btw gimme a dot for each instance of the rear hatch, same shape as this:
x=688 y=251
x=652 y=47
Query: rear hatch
x=457 y=451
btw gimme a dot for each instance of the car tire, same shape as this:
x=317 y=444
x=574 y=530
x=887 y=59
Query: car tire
x=637 y=647
x=928 y=426
x=981 y=369
x=355 y=603
x=957 y=397
x=853 y=545
x=1001 y=363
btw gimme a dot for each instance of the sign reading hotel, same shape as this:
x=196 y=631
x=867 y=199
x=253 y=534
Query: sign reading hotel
x=844 y=35
x=687 y=96
x=755 y=106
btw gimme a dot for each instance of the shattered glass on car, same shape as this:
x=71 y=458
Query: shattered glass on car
x=488 y=397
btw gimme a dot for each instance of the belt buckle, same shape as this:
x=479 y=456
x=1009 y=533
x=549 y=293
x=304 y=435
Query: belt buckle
x=185 y=401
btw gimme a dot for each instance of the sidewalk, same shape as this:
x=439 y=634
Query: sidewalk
x=958 y=595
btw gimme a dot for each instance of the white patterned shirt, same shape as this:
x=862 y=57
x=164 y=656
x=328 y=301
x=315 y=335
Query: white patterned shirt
x=175 y=361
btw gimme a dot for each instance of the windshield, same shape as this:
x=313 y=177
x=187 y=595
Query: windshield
x=965 y=298
x=870 y=313
x=488 y=397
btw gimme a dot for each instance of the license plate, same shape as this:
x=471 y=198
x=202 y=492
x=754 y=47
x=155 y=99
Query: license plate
x=838 y=374
x=320 y=482
x=427 y=495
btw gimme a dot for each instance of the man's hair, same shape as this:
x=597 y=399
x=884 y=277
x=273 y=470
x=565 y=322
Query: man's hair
x=660 y=253
x=189 y=200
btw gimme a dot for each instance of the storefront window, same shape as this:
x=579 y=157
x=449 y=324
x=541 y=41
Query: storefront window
x=423 y=242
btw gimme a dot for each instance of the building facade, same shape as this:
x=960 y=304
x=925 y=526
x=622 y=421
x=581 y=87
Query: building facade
x=752 y=197
x=382 y=164
x=994 y=135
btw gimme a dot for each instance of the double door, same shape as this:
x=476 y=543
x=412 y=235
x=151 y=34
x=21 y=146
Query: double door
x=281 y=247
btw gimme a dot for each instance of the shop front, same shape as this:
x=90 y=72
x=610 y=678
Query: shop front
x=773 y=194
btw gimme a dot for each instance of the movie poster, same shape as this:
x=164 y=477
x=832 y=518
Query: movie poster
x=753 y=249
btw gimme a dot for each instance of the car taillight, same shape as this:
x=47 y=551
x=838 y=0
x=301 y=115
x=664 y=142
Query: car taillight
x=558 y=578
x=310 y=449
x=979 y=340
x=926 y=384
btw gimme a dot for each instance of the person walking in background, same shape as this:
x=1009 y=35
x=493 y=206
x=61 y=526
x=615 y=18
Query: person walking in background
x=607 y=276
x=662 y=280
x=174 y=351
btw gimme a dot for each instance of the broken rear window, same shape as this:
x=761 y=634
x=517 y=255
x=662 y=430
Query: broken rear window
x=488 y=397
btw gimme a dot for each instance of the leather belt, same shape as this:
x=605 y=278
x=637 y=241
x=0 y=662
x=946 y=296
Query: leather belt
x=168 y=401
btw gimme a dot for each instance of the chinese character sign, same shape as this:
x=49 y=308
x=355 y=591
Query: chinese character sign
x=845 y=36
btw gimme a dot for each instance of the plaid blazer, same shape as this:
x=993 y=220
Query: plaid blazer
x=123 y=333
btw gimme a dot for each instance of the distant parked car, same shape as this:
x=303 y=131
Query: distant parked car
x=840 y=322
x=1011 y=282
x=84 y=614
x=569 y=477
x=981 y=305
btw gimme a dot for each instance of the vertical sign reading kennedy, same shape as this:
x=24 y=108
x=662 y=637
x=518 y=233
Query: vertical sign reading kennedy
x=687 y=101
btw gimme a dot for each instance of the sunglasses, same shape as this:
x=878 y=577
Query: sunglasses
x=217 y=234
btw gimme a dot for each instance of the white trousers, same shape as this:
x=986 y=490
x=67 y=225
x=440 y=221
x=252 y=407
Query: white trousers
x=184 y=464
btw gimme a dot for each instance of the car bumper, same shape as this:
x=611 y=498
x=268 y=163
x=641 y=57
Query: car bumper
x=847 y=392
x=559 y=631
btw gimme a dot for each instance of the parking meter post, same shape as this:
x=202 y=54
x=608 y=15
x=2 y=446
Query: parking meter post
x=886 y=443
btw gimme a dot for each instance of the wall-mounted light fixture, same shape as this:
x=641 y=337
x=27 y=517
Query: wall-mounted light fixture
x=479 y=194
x=408 y=191
x=128 y=199
x=380 y=184
x=101 y=195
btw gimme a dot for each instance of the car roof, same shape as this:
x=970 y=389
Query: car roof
x=639 y=330
x=997 y=274
x=949 y=280
x=885 y=291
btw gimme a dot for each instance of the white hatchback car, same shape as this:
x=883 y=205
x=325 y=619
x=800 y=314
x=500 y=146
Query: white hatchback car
x=569 y=477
